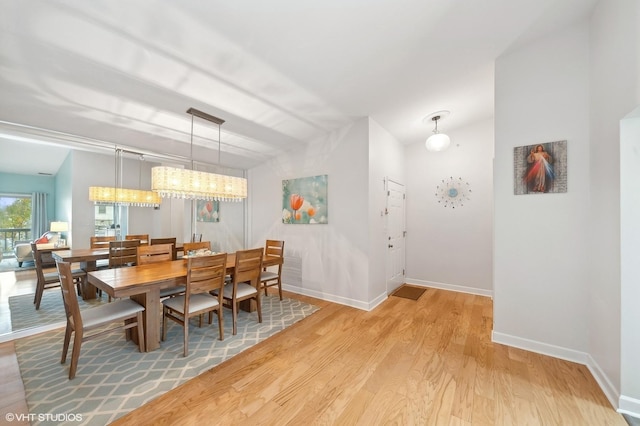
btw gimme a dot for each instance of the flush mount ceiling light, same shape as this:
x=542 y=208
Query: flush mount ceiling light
x=172 y=182
x=438 y=141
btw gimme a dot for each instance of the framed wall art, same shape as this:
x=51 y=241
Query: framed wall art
x=540 y=168
x=208 y=211
x=304 y=200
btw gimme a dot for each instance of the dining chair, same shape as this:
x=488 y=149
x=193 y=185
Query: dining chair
x=49 y=280
x=204 y=275
x=144 y=238
x=196 y=246
x=159 y=253
x=155 y=241
x=123 y=253
x=125 y=311
x=101 y=242
x=196 y=238
x=273 y=248
x=98 y=242
x=245 y=282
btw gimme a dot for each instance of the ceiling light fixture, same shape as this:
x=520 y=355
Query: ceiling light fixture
x=438 y=141
x=124 y=196
x=172 y=182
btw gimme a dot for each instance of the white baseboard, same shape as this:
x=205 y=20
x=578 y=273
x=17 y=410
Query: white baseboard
x=15 y=335
x=450 y=287
x=630 y=406
x=328 y=297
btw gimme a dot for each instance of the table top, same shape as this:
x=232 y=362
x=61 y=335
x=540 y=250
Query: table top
x=81 y=255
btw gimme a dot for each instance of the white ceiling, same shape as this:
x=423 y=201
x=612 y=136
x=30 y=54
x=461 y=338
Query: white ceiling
x=281 y=73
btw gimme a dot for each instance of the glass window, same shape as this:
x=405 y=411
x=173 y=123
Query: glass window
x=15 y=220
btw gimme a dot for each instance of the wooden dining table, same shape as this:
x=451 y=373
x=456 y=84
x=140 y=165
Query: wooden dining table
x=143 y=284
x=88 y=259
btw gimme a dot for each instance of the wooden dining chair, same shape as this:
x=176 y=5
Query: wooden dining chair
x=270 y=278
x=98 y=242
x=245 y=282
x=126 y=312
x=101 y=242
x=123 y=253
x=159 y=253
x=144 y=238
x=196 y=238
x=49 y=280
x=172 y=241
x=196 y=246
x=204 y=275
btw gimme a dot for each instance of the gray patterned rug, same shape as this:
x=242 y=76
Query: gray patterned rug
x=113 y=378
x=24 y=314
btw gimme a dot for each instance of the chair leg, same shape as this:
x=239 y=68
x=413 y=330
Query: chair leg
x=259 y=308
x=234 y=311
x=75 y=353
x=141 y=343
x=38 y=296
x=280 y=288
x=186 y=334
x=164 y=323
x=65 y=345
x=220 y=323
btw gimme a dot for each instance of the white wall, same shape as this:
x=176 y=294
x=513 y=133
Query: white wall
x=615 y=92
x=451 y=248
x=327 y=261
x=541 y=240
x=386 y=160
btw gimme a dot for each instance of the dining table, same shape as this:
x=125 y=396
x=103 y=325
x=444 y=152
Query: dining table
x=143 y=283
x=88 y=259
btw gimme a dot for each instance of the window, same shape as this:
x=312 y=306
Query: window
x=110 y=219
x=15 y=220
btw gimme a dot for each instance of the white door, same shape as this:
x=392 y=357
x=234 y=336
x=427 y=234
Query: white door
x=395 y=235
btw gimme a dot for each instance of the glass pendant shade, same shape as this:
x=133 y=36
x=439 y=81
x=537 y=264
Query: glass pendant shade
x=124 y=197
x=172 y=182
x=437 y=142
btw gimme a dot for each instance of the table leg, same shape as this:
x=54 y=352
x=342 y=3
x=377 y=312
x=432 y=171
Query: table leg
x=89 y=291
x=151 y=303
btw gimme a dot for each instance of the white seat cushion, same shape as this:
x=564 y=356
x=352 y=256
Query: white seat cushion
x=197 y=302
x=243 y=290
x=120 y=309
x=268 y=276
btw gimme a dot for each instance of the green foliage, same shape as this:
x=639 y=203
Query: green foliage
x=17 y=214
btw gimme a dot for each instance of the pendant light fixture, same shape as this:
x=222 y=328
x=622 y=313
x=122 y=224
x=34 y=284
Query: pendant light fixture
x=173 y=182
x=438 y=141
x=124 y=196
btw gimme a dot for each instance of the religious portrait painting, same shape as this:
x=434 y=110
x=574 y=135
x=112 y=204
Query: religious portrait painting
x=540 y=168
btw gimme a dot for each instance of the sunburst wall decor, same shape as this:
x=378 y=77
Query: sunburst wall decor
x=453 y=192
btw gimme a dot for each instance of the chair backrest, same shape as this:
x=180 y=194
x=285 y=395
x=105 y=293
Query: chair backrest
x=37 y=260
x=144 y=238
x=196 y=246
x=275 y=248
x=123 y=253
x=155 y=241
x=101 y=242
x=248 y=266
x=196 y=238
x=155 y=253
x=71 y=306
x=206 y=273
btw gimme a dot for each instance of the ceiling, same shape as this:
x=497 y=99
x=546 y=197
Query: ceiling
x=280 y=73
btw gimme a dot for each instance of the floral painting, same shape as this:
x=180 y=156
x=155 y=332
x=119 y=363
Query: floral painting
x=540 y=168
x=304 y=200
x=208 y=211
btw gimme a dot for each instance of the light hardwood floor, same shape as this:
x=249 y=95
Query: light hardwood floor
x=425 y=362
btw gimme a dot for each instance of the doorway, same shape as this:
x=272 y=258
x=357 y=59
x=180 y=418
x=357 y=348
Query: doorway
x=395 y=235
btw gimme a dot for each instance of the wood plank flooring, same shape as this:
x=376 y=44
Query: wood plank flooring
x=425 y=362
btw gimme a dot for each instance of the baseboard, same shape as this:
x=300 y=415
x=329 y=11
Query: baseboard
x=566 y=354
x=450 y=287
x=328 y=297
x=629 y=406
x=15 y=335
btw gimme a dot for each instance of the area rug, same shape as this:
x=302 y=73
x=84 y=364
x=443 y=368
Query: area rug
x=409 y=292
x=24 y=314
x=113 y=378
